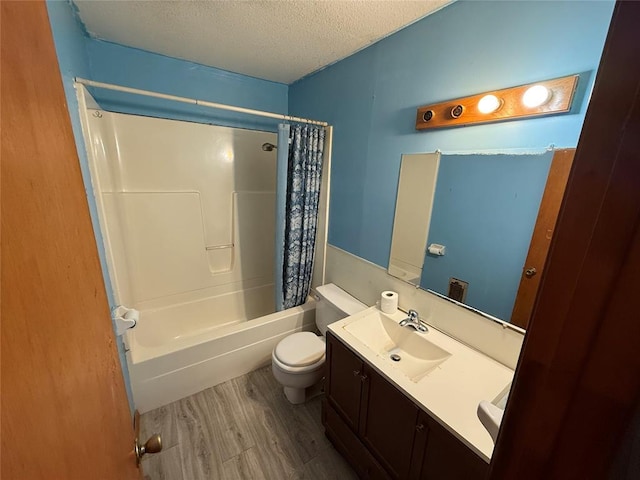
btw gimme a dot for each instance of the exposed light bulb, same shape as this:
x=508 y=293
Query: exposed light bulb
x=489 y=104
x=536 y=96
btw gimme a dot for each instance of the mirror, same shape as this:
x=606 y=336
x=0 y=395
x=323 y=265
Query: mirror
x=485 y=211
x=416 y=189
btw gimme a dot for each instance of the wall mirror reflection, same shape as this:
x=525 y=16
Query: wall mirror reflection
x=494 y=212
x=416 y=189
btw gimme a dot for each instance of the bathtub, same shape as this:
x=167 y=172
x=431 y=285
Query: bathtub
x=179 y=350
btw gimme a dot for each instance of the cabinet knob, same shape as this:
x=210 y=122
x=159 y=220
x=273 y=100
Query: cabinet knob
x=420 y=427
x=363 y=378
x=356 y=373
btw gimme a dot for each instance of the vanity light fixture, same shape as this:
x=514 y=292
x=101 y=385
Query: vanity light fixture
x=534 y=99
x=536 y=96
x=457 y=111
x=489 y=104
x=427 y=116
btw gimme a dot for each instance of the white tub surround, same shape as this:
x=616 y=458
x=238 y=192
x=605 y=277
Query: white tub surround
x=164 y=370
x=451 y=391
x=186 y=210
x=365 y=280
x=183 y=207
x=187 y=221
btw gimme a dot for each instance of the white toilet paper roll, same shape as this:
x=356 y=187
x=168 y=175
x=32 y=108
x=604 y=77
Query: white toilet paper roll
x=437 y=249
x=389 y=301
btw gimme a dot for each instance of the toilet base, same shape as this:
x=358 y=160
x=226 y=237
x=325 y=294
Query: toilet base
x=301 y=395
x=299 y=387
x=295 y=395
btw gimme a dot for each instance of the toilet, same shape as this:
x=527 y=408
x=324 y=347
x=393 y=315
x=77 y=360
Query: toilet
x=298 y=360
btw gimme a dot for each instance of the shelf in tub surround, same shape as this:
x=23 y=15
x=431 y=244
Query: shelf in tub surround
x=451 y=391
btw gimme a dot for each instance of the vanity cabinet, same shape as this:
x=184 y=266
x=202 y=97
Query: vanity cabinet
x=387 y=423
x=345 y=381
x=440 y=455
x=382 y=432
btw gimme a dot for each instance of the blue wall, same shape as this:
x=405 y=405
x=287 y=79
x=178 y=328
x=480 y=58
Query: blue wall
x=465 y=48
x=112 y=63
x=484 y=211
x=80 y=56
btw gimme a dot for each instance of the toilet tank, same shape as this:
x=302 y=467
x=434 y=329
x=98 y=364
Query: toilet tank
x=334 y=304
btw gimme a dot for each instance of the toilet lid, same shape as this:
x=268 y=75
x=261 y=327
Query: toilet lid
x=300 y=349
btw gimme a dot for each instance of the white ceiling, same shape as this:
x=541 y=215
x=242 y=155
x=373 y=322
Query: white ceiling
x=279 y=40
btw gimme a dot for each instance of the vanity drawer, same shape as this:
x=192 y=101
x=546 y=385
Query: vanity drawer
x=348 y=444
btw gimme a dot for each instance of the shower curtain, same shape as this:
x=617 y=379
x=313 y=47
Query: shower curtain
x=298 y=210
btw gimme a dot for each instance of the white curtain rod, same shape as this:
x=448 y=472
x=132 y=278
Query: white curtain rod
x=193 y=101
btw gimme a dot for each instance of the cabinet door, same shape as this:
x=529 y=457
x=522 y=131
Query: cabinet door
x=447 y=457
x=348 y=444
x=344 y=381
x=387 y=424
x=419 y=445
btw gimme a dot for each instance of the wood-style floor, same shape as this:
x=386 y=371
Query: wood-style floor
x=241 y=429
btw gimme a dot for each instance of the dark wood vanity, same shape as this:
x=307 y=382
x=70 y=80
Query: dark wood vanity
x=383 y=433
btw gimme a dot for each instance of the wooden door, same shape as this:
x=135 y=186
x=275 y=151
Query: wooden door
x=64 y=408
x=542 y=235
x=577 y=383
x=387 y=423
x=344 y=381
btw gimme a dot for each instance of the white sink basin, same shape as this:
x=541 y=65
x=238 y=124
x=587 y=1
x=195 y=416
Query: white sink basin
x=491 y=417
x=490 y=414
x=403 y=348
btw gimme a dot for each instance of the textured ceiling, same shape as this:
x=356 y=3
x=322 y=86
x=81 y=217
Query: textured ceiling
x=272 y=39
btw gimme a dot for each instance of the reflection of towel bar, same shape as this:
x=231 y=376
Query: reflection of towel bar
x=219 y=247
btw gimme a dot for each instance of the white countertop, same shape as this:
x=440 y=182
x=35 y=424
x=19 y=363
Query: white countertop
x=452 y=391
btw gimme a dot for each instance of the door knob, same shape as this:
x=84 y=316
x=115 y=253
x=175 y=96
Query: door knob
x=530 y=272
x=153 y=445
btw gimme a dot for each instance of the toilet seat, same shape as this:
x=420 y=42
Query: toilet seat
x=300 y=352
x=297 y=370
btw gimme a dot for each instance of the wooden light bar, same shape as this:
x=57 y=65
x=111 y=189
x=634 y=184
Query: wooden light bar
x=508 y=103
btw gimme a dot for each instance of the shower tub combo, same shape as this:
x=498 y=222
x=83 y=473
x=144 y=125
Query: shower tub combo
x=187 y=219
x=167 y=363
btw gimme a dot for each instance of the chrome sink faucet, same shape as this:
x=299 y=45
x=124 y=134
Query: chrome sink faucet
x=413 y=320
